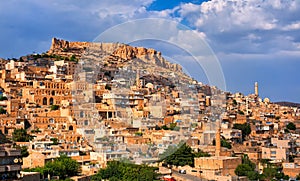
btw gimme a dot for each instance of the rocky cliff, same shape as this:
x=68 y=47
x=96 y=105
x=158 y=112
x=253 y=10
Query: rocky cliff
x=121 y=51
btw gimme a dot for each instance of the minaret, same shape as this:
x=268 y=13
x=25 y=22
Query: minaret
x=138 y=82
x=256 y=88
x=218 y=142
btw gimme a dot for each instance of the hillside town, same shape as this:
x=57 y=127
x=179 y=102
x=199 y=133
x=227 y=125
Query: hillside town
x=101 y=102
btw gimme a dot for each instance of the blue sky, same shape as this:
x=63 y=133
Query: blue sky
x=254 y=40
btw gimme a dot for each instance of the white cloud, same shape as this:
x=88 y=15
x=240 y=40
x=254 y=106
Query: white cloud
x=292 y=26
x=246 y=26
x=188 y=8
x=224 y=15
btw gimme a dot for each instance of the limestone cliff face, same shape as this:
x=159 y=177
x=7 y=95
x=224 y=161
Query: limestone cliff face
x=147 y=55
x=58 y=45
x=124 y=52
x=66 y=48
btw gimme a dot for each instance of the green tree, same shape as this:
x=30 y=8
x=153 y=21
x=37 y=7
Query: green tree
x=291 y=126
x=3 y=138
x=181 y=157
x=73 y=58
x=272 y=171
x=246 y=160
x=20 y=135
x=24 y=151
x=245 y=128
x=269 y=172
x=165 y=127
x=54 y=140
x=2 y=110
x=226 y=144
x=2 y=98
x=242 y=169
x=56 y=169
x=247 y=168
x=253 y=175
x=116 y=170
x=37 y=130
x=201 y=153
x=280 y=175
x=54 y=107
x=63 y=167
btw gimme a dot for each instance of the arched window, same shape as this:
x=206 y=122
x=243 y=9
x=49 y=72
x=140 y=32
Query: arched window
x=51 y=101
x=71 y=128
x=44 y=101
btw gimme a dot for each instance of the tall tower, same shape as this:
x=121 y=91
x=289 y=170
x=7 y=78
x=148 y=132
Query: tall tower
x=218 y=142
x=256 y=88
x=138 y=82
x=218 y=139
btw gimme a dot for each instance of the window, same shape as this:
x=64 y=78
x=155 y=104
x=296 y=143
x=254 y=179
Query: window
x=51 y=101
x=44 y=101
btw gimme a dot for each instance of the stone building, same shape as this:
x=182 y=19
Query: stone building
x=45 y=93
x=212 y=167
x=10 y=163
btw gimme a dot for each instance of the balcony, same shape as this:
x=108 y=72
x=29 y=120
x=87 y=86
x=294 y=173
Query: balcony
x=10 y=168
x=13 y=152
x=2 y=153
x=2 y=168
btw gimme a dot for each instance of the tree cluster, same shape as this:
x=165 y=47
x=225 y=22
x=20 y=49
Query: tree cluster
x=171 y=126
x=181 y=156
x=2 y=110
x=245 y=128
x=247 y=168
x=20 y=135
x=62 y=166
x=2 y=98
x=24 y=150
x=120 y=171
x=291 y=126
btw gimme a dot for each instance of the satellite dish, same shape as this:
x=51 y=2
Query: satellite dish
x=16 y=160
